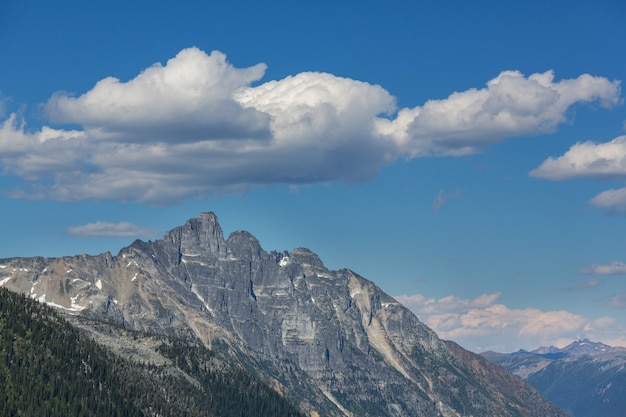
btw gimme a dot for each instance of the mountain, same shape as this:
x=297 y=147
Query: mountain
x=585 y=378
x=330 y=342
x=50 y=368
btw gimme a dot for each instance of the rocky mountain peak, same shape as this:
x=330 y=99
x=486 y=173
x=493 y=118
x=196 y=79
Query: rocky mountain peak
x=201 y=235
x=331 y=342
x=243 y=244
x=586 y=347
x=574 y=349
x=307 y=257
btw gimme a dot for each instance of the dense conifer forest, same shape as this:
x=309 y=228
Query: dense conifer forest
x=50 y=368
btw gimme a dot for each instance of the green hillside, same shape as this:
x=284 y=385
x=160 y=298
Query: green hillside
x=50 y=368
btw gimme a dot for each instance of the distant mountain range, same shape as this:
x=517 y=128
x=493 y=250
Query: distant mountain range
x=331 y=343
x=585 y=378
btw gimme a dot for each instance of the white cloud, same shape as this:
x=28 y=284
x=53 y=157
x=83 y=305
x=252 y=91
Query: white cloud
x=511 y=105
x=587 y=159
x=188 y=99
x=483 y=324
x=197 y=125
x=611 y=200
x=591 y=160
x=450 y=304
x=106 y=229
x=614 y=268
x=38 y=157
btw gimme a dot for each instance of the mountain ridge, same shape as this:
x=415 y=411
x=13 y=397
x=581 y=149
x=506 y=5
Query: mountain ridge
x=331 y=342
x=585 y=378
x=576 y=348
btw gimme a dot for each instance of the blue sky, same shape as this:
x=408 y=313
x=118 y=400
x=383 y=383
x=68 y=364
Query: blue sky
x=468 y=158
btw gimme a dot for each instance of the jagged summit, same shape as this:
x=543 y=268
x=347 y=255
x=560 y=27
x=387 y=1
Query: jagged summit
x=200 y=235
x=331 y=342
x=243 y=244
x=306 y=256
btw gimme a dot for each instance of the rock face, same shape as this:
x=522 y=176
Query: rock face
x=329 y=341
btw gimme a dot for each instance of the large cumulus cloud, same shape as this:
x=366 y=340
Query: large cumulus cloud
x=188 y=99
x=511 y=105
x=198 y=125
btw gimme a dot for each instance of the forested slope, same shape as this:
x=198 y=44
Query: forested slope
x=50 y=368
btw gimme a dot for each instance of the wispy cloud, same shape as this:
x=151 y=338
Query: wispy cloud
x=106 y=229
x=590 y=283
x=482 y=323
x=585 y=285
x=613 y=201
x=443 y=197
x=197 y=125
x=614 y=268
x=617 y=301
